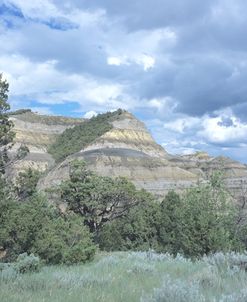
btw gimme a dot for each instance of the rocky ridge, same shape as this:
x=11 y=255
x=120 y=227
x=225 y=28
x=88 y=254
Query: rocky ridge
x=128 y=149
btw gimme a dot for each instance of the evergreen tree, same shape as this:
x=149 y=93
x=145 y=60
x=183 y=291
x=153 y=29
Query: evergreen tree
x=208 y=220
x=26 y=183
x=6 y=133
x=36 y=227
x=138 y=230
x=170 y=223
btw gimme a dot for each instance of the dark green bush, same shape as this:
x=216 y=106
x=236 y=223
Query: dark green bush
x=137 y=230
x=36 y=227
x=170 y=226
x=65 y=240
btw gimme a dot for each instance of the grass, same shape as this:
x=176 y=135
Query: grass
x=125 y=276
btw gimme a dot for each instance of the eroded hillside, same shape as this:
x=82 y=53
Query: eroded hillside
x=113 y=144
x=37 y=132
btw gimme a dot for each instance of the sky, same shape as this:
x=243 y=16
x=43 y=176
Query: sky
x=179 y=66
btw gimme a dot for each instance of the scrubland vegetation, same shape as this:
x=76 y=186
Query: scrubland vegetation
x=130 y=277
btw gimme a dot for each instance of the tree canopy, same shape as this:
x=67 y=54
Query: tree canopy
x=98 y=199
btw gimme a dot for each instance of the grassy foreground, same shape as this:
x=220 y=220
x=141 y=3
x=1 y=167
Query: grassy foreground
x=129 y=276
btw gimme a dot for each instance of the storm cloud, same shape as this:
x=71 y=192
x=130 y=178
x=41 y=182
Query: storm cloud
x=181 y=66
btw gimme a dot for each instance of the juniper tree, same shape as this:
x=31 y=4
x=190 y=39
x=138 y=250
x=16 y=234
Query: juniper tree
x=6 y=133
x=98 y=199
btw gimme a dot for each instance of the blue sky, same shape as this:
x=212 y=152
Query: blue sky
x=180 y=66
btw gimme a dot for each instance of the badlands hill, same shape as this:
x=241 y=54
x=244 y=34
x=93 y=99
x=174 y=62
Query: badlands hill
x=112 y=144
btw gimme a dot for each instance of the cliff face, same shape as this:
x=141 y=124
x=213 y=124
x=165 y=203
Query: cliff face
x=127 y=149
x=37 y=132
x=153 y=174
x=129 y=133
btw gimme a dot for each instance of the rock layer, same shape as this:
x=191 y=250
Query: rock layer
x=37 y=132
x=203 y=165
x=151 y=173
x=129 y=133
x=128 y=150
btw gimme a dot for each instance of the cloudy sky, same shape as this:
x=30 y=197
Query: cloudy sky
x=179 y=65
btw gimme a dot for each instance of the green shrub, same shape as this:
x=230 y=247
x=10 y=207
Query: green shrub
x=27 y=263
x=24 y=264
x=8 y=273
x=226 y=261
x=80 y=252
x=175 y=291
x=65 y=240
x=36 y=227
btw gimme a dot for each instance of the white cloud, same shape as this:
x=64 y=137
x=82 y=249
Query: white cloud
x=215 y=132
x=157 y=103
x=101 y=63
x=141 y=47
x=164 y=106
x=182 y=124
x=180 y=147
x=43 y=83
x=102 y=93
x=90 y=114
x=146 y=61
x=27 y=78
x=114 y=61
